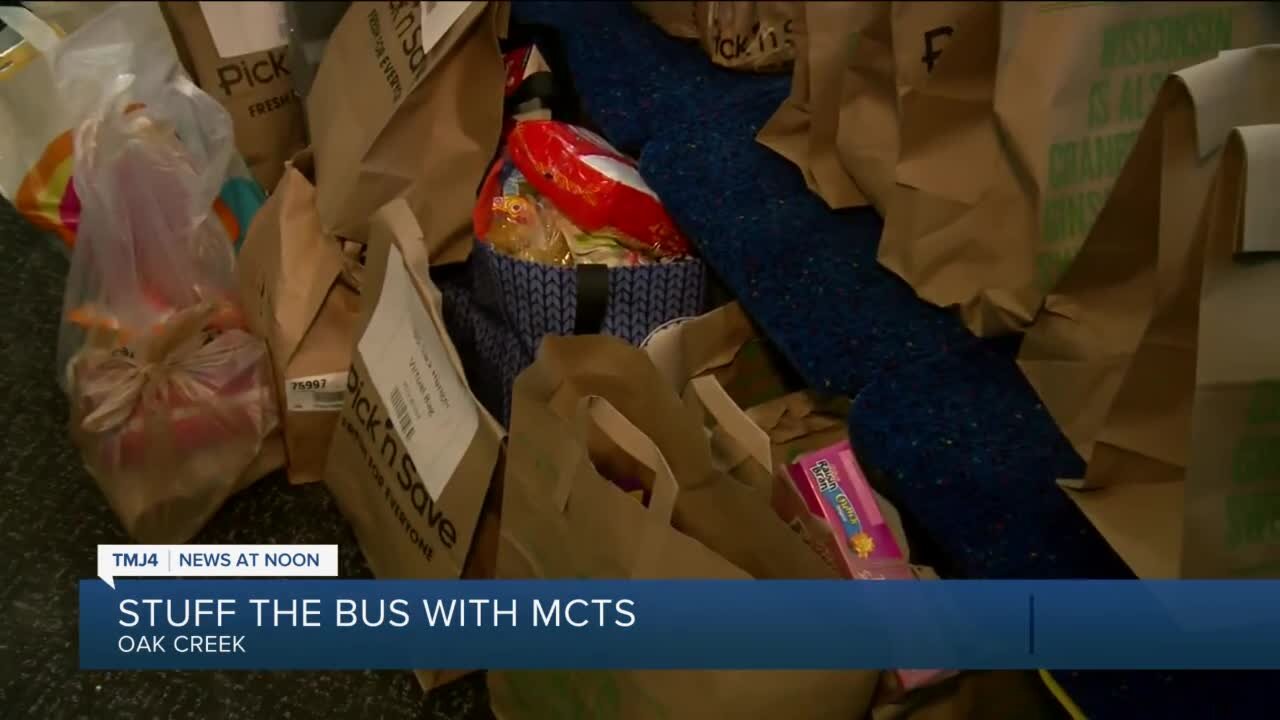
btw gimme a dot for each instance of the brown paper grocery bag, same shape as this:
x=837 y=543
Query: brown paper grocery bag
x=1009 y=160
x=1219 y=521
x=591 y=407
x=411 y=460
x=723 y=342
x=835 y=32
x=803 y=129
x=888 y=60
x=634 y=386
x=1118 y=332
x=677 y=19
x=755 y=423
x=389 y=120
x=254 y=87
x=946 y=161
x=851 y=49
x=751 y=396
x=1233 y=477
x=839 y=125
x=786 y=132
x=755 y=36
x=300 y=294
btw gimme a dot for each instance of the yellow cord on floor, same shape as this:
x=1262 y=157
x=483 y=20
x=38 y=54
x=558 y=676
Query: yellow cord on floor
x=1061 y=696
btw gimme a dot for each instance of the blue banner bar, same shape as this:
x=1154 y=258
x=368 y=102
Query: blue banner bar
x=368 y=624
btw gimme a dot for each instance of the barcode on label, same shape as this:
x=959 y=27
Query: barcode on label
x=316 y=393
x=329 y=397
x=403 y=418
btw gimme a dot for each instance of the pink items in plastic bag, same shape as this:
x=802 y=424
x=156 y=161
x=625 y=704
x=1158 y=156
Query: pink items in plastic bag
x=170 y=395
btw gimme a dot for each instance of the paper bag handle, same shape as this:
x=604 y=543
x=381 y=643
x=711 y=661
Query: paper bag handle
x=1259 y=216
x=594 y=409
x=398 y=217
x=707 y=393
x=38 y=33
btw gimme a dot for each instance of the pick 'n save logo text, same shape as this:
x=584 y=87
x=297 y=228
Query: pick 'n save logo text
x=252 y=71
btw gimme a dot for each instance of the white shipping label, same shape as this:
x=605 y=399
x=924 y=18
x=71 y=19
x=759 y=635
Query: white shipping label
x=437 y=18
x=411 y=371
x=241 y=28
x=316 y=393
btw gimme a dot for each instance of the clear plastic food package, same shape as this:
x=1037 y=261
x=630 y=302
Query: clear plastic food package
x=596 y=187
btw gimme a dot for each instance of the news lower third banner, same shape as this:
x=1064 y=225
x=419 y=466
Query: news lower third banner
x=310 y=624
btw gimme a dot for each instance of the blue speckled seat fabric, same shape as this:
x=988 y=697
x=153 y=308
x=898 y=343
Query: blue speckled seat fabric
x=964 y=448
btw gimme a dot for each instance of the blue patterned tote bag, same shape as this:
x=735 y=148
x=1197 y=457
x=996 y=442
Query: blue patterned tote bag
x=500 y=307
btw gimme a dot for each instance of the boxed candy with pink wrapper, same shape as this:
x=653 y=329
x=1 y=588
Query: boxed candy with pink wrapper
x=833 y=487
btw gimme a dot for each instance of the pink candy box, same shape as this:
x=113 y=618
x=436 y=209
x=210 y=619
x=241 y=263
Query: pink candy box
x=834 y=488
x=912 y=679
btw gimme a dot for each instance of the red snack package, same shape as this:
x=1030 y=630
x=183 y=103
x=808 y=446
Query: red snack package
x=593 y=185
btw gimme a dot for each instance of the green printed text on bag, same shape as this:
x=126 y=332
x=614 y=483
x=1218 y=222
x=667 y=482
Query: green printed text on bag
x=1133 y=60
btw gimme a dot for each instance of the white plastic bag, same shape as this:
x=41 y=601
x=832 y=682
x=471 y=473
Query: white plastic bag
x=42 y=100
x=171 y=396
